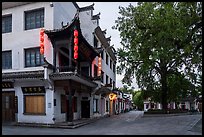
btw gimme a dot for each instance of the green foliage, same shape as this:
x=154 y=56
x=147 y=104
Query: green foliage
x=161 y=43
x=138 y=99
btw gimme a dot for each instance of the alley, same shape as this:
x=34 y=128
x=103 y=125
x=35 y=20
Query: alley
x=130 y=123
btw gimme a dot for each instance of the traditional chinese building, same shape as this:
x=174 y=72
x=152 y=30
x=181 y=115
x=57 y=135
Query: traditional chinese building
x=57 y=64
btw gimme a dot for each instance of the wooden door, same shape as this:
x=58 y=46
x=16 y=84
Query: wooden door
x=8 y=106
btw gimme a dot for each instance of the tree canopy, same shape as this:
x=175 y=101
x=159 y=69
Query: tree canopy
x=161 y=45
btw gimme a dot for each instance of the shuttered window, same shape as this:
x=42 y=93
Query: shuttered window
x=34 y=104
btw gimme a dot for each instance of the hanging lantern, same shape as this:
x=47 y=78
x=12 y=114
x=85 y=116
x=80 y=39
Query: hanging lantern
x=41 y=51
x=76 y=44
x=41 y=41
x=99 y=66
x=76 y=41
x=75 y=33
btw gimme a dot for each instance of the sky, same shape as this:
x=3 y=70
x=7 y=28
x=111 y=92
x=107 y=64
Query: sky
x=108 y=15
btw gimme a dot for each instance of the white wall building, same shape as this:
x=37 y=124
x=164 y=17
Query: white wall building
x=54 y=87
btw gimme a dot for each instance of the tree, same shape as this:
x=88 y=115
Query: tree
x=159 y=40
x=138 y=99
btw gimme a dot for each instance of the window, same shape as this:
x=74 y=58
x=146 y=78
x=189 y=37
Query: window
x=63 y=103
x=113 y=84
x=102 y=75
x=110 y=64
x=34 y=19
x=106 y=79
x=95 y=70
x=107 y=106
x=6 y=60
x=95 y=42
x=33 y=57
x=110 y=80
x=106 y=58
x=102 y=54
x=95 y=105
x=114 y=67
x=7 y=24
x=34 y=104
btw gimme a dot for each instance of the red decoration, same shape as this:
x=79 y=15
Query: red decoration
x=41 y=51
x=99 y=66
x=41 y=41
x=75 y=48
x=75 y=33
x=75 y=40
x=75 y=55
x=76 y=44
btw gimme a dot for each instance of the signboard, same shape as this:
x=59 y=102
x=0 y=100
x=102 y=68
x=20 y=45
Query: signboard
x=7 y=84
x=37 y=89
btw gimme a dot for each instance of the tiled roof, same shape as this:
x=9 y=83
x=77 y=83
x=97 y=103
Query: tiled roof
x=23 y=75
x=90 y=7
x=103 y=90
x=72 y=76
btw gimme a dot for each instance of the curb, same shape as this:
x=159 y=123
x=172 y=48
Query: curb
x=164 y=115
x=55 y=125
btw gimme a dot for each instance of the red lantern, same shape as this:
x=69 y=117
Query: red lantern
x=41 y=51
x=41 y=41
x=99 y=66
x=75 y=33
x=75 y=48
x=76 y=44
x=75 y=41
x=75 y=55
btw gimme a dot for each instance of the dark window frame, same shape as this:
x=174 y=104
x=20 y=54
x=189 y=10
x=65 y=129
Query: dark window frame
x=107 y=59
x=7 y=59
x=102 y=76
x=110 y=64
x=107 y=79
x=114 y=67
x=36 y=54
x=102 y=54
x=7 y=23
x=34 y=15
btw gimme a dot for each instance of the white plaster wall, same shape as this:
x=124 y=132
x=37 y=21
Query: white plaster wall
x=63 y=11
x=19 y=39
x=87 y=26
x=49 y=95
x=59 y=117
x=187 y=105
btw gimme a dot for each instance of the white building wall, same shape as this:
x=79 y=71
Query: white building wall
x=19 y=39
x=63 y=12
x=49 y=109
x=87 y=26
x=59 y=117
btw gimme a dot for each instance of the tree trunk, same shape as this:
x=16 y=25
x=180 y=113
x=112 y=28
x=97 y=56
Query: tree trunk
x=164 y=92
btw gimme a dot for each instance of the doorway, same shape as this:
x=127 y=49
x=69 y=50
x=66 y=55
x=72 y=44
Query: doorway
x=8 y=106
x=85 y=109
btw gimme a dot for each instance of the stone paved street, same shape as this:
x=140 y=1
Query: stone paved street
x=130 y=123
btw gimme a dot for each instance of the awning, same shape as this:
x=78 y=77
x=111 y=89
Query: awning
x=74 y=77
x=103 y=91
x=23 y=75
